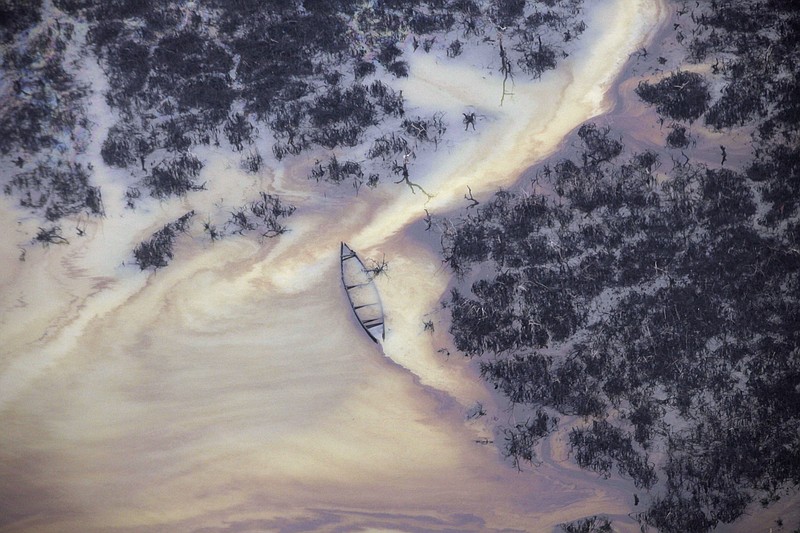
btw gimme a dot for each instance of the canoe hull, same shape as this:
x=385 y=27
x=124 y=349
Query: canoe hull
x=362 y=294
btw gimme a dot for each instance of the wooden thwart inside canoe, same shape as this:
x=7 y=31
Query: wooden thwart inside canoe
x=363 y=294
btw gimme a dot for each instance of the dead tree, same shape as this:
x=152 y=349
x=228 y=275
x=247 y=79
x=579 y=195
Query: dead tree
x=505 y=69
x=377 y=268
x=402 y=170
x=469 y=120
x=472 y=200
x=51 y=235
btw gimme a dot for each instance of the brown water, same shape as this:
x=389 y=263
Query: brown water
x=234 y=390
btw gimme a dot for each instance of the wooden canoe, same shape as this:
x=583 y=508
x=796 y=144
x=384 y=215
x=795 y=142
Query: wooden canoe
x=363 y=294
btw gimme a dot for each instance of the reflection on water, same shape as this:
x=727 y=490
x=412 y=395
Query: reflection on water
x=235 y=391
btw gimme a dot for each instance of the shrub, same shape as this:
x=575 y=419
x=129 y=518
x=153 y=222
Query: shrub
x=156 y=252
x=174 y=177
x=681 y=96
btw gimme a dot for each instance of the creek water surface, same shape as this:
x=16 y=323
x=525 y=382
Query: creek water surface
x=234 y=390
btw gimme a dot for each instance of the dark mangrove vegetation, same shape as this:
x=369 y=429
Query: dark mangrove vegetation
x=262 y=216
x=279 y=78
x=156 y=252
x=304 y=73
x=590 y=524
x=654 y=299
x=43 y=123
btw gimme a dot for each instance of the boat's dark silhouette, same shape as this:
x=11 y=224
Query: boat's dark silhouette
x=363 y=294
